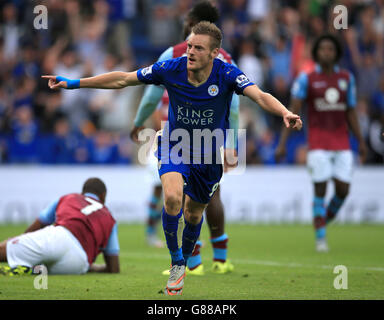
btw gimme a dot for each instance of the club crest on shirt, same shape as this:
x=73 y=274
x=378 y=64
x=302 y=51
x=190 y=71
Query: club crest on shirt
x=242 y=80
x=147 y=70
x=332 y=95
x=213 y=90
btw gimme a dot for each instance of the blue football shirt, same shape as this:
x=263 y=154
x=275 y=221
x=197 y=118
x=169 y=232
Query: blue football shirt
x=194 y=109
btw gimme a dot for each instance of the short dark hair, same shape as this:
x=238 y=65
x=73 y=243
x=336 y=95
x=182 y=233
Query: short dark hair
x=96 y=186
x=334 y=40
x=210 y=29
x=203 y=11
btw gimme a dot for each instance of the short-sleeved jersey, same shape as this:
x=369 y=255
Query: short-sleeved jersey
x=177 y=51
x=191 y=108
x=88 y=220
x=327 y=98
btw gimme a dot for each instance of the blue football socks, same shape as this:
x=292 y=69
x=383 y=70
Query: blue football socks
x=195 y=259
x=319 y=216
x=334 y=207
x=170 y=226
x=190 y=235
x=219 y=245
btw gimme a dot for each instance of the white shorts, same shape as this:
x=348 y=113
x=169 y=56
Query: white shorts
x=324 y=165
x=152 y=170
x=54 y=246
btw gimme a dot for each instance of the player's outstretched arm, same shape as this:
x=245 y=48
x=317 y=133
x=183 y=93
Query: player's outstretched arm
x=271 y=104
x=110 y=80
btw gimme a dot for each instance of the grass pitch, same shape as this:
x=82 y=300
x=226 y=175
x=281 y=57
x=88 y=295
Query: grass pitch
x=271 y=262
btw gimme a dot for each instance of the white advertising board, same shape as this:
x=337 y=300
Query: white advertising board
x=259 y=195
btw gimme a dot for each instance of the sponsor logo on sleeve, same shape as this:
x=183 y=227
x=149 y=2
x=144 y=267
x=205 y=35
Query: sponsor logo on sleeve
x=147 y=70
x=242 y=80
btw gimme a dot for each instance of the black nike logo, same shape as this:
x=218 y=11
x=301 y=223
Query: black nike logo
x=171 y=234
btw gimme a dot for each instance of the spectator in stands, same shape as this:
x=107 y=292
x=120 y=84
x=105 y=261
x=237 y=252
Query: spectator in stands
x=58 y=148
x=24 y=139
x=103 y=149
x=81 y=34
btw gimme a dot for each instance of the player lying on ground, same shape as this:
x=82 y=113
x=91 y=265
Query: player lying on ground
x=200 y=88
x=67 y=236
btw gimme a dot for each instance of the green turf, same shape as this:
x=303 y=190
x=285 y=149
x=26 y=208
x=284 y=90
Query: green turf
x=271 y=262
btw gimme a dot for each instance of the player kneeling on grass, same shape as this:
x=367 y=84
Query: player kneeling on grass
x=67 y=236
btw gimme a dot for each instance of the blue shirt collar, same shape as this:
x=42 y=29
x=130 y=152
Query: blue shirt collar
x=336 y=68
x=92 y=195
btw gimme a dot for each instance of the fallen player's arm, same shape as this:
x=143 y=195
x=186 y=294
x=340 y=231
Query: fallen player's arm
x=112 y=265
x=271 y=104
x=36 y=225
x=46 y=217
x=110 y=80
x=111 y=255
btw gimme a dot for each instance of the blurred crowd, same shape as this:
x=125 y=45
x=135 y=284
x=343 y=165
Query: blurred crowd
x=269 y=40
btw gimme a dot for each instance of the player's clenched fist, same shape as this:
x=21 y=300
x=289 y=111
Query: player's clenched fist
x=231 y=159
x=134 y=134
